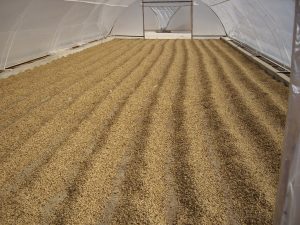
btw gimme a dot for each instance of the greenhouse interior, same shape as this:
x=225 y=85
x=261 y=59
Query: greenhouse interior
x=150 y=112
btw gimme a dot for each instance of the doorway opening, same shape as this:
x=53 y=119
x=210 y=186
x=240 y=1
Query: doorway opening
x=168 y=19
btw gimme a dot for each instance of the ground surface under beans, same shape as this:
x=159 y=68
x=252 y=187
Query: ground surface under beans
x=141 y=132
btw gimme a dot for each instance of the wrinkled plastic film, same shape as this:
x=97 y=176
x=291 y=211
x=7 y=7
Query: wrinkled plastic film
x=127 y=23
x=50 y=25
x=164 y=15
x=265 y=25
x=205 y=21
x=172 y=16
x=33 y=28
x=288 y=198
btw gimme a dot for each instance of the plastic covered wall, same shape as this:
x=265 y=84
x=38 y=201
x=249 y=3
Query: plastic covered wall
x=206 y=23
x=288 y=199
x=164 y=15
x=265 y=25
x=130 y=22
x=33 y=28
x=179 y=22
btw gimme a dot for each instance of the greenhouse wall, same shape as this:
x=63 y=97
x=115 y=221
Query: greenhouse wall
x=265 y=25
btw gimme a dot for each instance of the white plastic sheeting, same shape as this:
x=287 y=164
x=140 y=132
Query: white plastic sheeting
x=173 y=16
x=181 y=20
x=265 y=25
x=288 y=200
x=130 y=22
x=205 y=21
x=33 y=28
x=164 y=15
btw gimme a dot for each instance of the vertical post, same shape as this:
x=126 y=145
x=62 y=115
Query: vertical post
x=192 y=19
x=288 y=196
x=143 y=11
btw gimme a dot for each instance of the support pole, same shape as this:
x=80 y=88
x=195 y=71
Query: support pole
x=288 y=197
x=143 y=11
x=192 y=19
